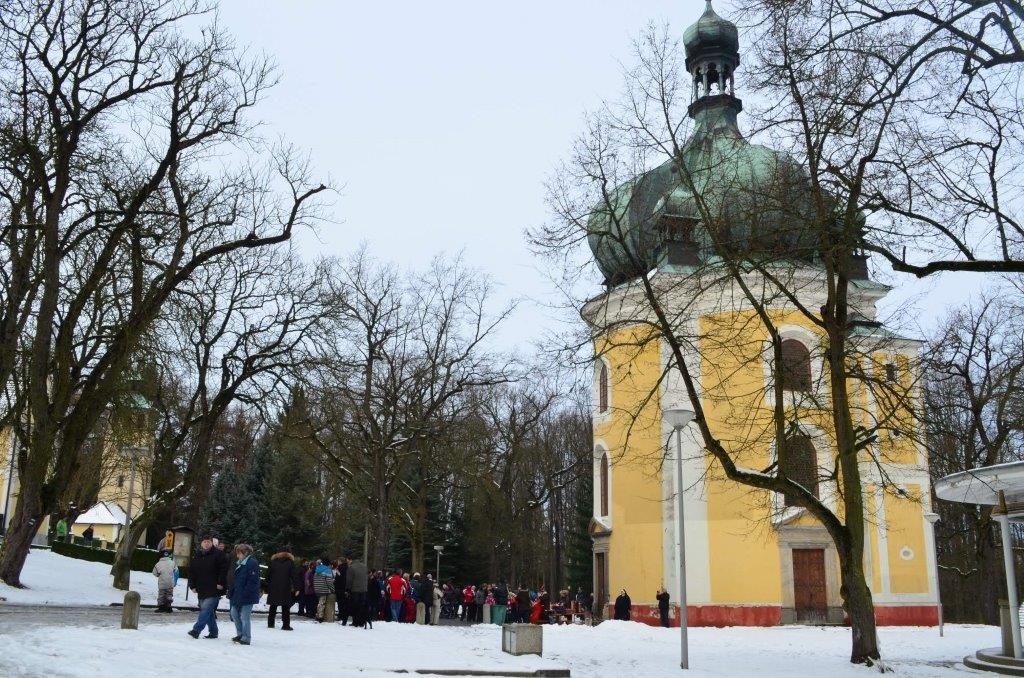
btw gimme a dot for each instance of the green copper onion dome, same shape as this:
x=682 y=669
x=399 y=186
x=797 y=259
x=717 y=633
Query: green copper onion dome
x=721 y=190
x=711 y=33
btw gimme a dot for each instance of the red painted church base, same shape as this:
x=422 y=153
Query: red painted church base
x=768 y=615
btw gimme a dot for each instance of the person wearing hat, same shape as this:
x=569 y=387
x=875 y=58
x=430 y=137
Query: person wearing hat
x=166 y=573
x=207 y=577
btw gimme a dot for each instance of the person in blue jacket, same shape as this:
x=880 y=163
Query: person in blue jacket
x=244 y=592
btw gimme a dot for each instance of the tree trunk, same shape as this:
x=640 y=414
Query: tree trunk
x=122 y=568
x=20 y=532
x=859 y=606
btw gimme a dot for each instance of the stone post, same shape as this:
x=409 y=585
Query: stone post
x=518 y=639
x=130 y=611
x=330 y=607
x=421 y=613
x=486 y=617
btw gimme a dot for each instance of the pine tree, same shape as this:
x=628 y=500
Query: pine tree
x=580 y=553
x=230 y=511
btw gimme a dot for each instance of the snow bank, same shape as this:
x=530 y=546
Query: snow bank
x=52 y=579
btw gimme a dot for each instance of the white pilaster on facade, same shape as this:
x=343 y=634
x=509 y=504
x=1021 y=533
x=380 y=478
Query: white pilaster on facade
x=698 y=562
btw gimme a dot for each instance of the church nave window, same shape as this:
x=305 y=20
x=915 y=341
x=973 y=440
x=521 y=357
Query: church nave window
x=604 y=484
x=602 y=388
x=796 y=366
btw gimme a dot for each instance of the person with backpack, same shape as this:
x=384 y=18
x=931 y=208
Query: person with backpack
x=166 y=573
x=323 y=586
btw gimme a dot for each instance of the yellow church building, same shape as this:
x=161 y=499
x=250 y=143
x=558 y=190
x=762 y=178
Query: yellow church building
x=751 y=559
x=115 y=475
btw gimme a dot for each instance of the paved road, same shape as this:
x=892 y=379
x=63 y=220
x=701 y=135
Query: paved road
x=17 y=617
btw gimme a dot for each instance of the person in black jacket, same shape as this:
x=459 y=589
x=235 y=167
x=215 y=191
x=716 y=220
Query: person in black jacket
x=281 y=587
x=523 y=603
x=426 y=593
x=341 y=590
x=500 y=603
x=208 y=579
x=623 y=606
x=663 y=606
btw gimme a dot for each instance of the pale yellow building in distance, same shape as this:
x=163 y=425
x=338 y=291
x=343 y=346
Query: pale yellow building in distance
x=751 y=558
x=114 y=480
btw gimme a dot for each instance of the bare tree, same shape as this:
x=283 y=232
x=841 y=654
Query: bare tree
x=974 y=417
x=233 y=336
x=403 y=354
x=114 y=118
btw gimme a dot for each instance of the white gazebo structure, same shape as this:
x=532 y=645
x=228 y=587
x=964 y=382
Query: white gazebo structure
x=1001 y=486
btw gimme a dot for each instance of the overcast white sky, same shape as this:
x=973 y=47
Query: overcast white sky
x=440 y=120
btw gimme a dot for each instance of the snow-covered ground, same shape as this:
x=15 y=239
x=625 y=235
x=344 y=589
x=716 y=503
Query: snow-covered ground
x=51 y=579
x=616 y=649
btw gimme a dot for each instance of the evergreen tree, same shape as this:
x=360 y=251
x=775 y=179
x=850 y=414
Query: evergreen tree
x=292 y=510
x=230 y=511
x=579 y=551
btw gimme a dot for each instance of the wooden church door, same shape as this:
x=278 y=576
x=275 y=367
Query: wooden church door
x=809 y=591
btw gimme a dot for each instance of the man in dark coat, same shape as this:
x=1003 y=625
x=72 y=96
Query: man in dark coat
x=356 y=581
x=281 y=587
x=523 y=603
x=426 y=592
x=663 y=600
x=341 y=590
x=207 y=577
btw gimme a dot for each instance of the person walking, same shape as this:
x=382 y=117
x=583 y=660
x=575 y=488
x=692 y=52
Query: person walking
x=244 y=592
x=281 y=587
x=396 y=592
x=207 y=578
x=166 y=573
x=357 y=582
x=323 y=586
x=663 y=600
x=500 y=593
x=623 y=606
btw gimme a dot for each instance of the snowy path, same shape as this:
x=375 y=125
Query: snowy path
x=87 y=642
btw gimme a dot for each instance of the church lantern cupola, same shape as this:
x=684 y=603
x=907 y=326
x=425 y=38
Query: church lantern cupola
x=712 y=56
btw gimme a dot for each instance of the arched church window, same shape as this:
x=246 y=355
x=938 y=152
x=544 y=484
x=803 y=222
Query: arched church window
x=799 y=463
x=602 y=388
x=604 y=484
x=796 y=366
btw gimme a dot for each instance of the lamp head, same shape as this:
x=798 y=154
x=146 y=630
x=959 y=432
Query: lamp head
x=678 y=416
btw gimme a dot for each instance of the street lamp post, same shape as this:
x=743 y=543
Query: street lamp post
x=437 y=573
x=134 y=453
x=678 y=418
x=933 y=518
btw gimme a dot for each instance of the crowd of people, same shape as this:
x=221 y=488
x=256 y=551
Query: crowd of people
x=345 y=590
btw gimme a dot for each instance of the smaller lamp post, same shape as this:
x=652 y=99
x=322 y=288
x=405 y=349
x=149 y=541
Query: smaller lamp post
x=437 y=574
x=679 y=417
x=933 y=518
